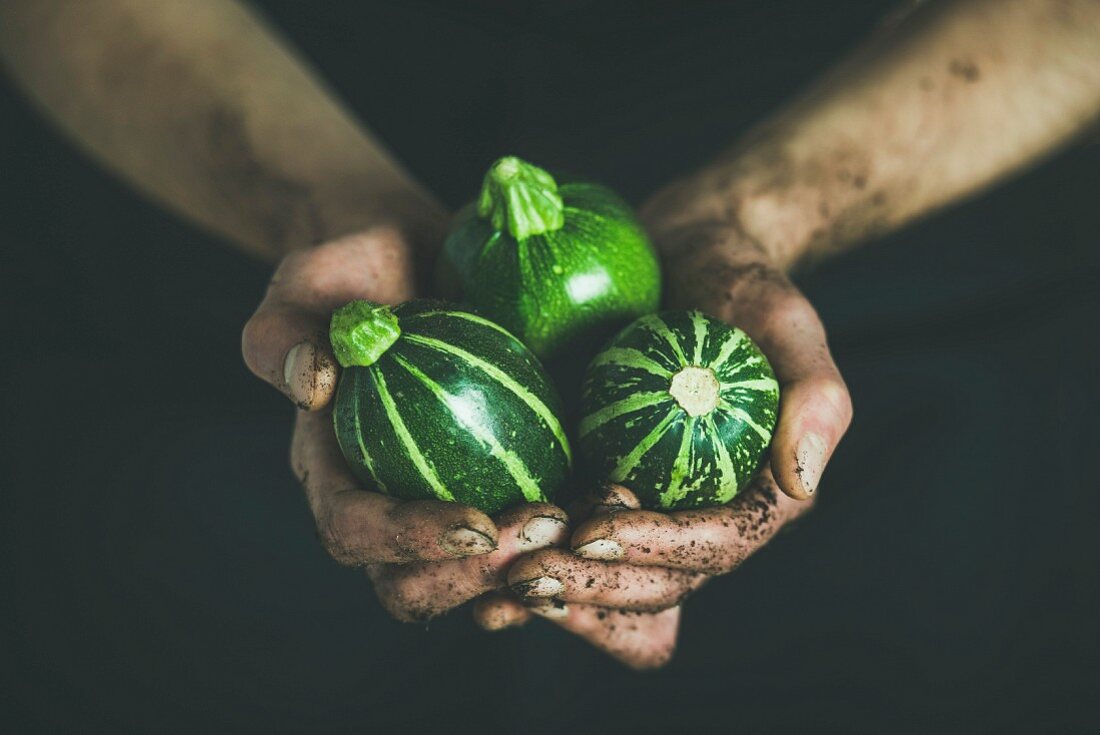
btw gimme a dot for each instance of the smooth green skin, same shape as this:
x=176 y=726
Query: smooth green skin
x=559 y=289
x=635 y=433
x=450 y=439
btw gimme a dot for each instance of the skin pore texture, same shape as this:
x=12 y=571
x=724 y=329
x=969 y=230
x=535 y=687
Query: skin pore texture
x=206 y=111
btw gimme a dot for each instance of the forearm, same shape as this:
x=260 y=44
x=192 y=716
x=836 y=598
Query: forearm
x=944 y=101
x=203 y=108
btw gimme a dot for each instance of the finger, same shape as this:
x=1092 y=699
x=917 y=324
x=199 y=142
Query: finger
x=289 y=349
x=422 y=591
x=558 y=574
x=639 y=640
x=734 y=279
x=358 y=527
x=286 y=341
x=604 y=498
x=375 y=265
x=710 y=540
x=497 y=611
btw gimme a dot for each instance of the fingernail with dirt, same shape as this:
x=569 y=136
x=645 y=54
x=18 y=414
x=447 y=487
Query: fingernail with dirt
x=542 y=531
x=539 y=587
x=810 y=459
x=552 y=610
x=298 y=373
x=602 y=549
x=610 y=497
x=464 y=541
x=602 y=509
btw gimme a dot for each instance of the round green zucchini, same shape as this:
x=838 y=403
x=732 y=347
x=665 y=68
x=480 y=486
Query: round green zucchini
x=437 y=402
x=680 y=408
x=558 y=266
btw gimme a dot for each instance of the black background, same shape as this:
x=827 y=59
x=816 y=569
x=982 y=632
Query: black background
x=159 y=568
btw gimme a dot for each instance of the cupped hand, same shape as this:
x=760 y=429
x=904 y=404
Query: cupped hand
x=637 y=637
x=622 y=585
x=645 y=563
x=424 y=556
x=713 y=263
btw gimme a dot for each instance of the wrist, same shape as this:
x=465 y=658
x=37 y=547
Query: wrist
x=342 y=208
x=792 y=204
x=774 y=202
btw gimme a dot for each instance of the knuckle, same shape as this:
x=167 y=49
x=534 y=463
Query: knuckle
x=385 y=245
x=648 y=659
x=423 y=513
x=339 y=533
x=314 y=270
x=376 y=256
x=403 y=604
x=419 y=592
x=615 y=496
x=629 y=522
x=832 y=394
x=786 y=313
x=659 y=657
x=598 y=527
x=639 y=518
x=536 y=563
x=254 y=334
x=551 y=558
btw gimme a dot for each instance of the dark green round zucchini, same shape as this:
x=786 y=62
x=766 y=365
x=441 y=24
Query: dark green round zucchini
x=438 y=402
x=680 y=408
x=558 y=266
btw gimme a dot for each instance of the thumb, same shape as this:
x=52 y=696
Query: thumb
x=814 y=407
x=286 y=341
x=289 y=349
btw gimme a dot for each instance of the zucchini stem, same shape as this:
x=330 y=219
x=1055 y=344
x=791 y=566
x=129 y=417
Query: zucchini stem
x=696 y=389
x=521 y=198
x=361 y=332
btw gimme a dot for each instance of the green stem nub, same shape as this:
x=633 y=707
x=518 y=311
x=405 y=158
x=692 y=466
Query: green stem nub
x=361 y=331
x=521 y=198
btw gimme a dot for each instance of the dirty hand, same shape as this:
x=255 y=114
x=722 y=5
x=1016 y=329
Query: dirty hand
x=621 y=587
x=638 y=638
x=631 y=561
x=424 y=556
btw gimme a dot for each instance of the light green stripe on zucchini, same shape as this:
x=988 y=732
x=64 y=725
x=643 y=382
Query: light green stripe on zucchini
x=764 y=384
x=362 y=447
x=740 y=414
x=627 y=464
x=530 y=399
x=418 y=459
x=725 y=464
x=680 y=468
x=659 y=327
x=700 y=323
x=462 y=413
x=749 y=365
x=629 y=404
x=630 y=358
x=465 y=315
x=732 y=343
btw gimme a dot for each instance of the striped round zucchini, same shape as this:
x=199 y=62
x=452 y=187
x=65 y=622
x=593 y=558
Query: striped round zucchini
x=680 y=408
x=438 y=402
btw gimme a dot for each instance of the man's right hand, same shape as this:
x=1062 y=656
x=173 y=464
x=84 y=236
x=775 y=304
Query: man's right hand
x=425 y=556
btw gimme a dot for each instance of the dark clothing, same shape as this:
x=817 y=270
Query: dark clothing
x=159 y=563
